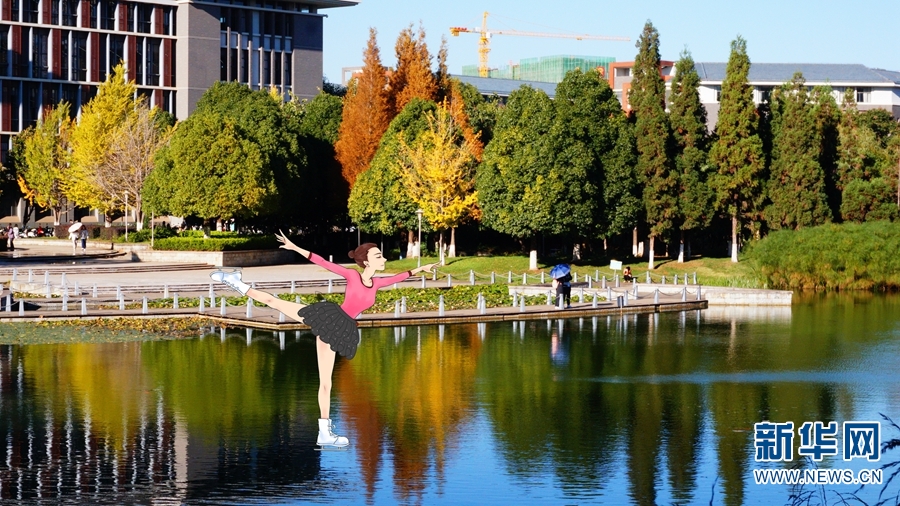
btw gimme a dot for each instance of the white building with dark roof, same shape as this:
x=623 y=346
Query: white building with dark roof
x=875 y=88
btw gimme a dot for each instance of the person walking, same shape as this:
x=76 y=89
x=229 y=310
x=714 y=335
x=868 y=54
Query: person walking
x=84 y=237
x=334 y=325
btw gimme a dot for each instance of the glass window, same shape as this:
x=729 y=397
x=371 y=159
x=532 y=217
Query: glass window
x=863 y=95
x=79 y=56
x=116 y=50
x=54 y=12
x=145 y=13
x=153 y=61
x=276 y=63
x=64 y=56
x=287 y=70
x=266 y=67
x=31 y=11
x=139 y=60
x=103 y=64
x=130 y=13
x=233 y=64
x=108 y=14
x=95 y=5
x=70 y=95
x=4 y=48
x=11 y=98
x=70 y=13
x=39 y=60
x=223 y=64
x=14 y=11
x=167 y=12
x=31 y=93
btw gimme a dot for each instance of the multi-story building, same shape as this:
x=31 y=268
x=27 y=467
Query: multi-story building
x=873 y=88
x=53 y=50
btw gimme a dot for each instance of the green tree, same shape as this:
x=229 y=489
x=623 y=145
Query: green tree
x=868 y=200
x=211 y=170
x=587 y=124
x=654 y=138
x=256 y=125
x=326 y=192
x=379 y=201
x=688 y=119
x=737 y=152
x=621 y=192
x=517 y=186
x=45 y=159
x=797 y=184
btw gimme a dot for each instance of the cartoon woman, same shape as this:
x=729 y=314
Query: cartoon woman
x=334 y=326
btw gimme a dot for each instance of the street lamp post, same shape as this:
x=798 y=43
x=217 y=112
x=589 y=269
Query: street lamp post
x=419 y=214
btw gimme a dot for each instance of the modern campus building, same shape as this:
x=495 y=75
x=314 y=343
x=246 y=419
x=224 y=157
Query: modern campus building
x=874 y=88
x=53 y=50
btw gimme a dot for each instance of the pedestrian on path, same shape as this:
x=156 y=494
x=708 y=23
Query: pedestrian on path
x=334 y=326
x=84 y=238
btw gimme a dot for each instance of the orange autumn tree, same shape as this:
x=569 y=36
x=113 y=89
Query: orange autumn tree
x=413 y=77
x=366 y=115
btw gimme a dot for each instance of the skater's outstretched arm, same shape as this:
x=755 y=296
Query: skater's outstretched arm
x=340 y=270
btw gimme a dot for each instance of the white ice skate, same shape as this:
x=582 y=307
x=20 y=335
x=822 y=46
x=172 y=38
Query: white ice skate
x=232 y=279
x=328 y=440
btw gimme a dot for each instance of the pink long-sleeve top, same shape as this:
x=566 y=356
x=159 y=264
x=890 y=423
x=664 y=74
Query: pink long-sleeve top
x=358 y=297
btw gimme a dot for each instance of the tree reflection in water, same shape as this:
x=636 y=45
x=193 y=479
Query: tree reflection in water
x=645 y=409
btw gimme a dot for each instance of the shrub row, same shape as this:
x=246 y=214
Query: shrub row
x=843 y=257
x=216 y=244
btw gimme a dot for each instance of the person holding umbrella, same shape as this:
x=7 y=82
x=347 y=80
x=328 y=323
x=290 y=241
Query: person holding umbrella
x=74 y=235
x=562 y=282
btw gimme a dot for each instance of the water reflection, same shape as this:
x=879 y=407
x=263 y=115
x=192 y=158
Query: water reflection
x=643 y=409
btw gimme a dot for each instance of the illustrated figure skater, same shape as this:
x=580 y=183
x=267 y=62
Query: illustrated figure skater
x=334 y=326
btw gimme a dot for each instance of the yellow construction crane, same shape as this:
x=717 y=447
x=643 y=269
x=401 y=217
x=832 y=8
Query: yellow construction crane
x=485 y=33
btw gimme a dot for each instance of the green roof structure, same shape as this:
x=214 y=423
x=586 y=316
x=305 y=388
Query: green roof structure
x=547 y=69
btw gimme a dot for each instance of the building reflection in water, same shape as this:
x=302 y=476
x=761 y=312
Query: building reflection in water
x=78 y=425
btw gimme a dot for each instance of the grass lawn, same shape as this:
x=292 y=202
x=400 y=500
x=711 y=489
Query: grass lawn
x=710 y=271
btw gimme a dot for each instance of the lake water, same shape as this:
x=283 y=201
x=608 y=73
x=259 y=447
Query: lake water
x=645 y=409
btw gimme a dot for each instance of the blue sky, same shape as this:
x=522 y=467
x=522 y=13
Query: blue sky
x=785 y=31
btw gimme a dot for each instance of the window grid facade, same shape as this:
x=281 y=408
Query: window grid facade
x=256 y=47
x=56 y=52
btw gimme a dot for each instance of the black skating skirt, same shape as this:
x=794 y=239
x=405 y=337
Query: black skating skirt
x=333 y=326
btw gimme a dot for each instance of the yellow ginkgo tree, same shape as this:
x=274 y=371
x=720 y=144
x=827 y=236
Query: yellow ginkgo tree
x=439 y=172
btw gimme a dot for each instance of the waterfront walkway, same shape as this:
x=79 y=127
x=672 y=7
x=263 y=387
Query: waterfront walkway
x=62 y=286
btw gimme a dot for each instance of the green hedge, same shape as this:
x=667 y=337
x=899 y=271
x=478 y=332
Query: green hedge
x=844 y=257
x=216 y=244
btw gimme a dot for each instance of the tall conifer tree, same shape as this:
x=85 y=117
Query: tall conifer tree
x=413 y=77
x=654 y=138
x=365 y=116
x=738 y=150
x=797 y=184
x=688 y=119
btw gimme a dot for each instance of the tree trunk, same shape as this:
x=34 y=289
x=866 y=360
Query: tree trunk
x=650 y=253
x=410 y=244
x=734 y=238
x=634 y=243
x=605 y=246
x=441 y=247
x=681 y=249
x=452 y=252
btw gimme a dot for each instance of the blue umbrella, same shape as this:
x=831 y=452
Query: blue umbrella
x=559 y=271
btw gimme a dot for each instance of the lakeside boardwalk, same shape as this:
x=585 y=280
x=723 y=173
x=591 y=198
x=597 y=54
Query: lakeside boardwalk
x=136 y=280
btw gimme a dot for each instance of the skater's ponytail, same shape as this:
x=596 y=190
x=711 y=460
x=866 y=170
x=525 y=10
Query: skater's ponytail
x=361 y=254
